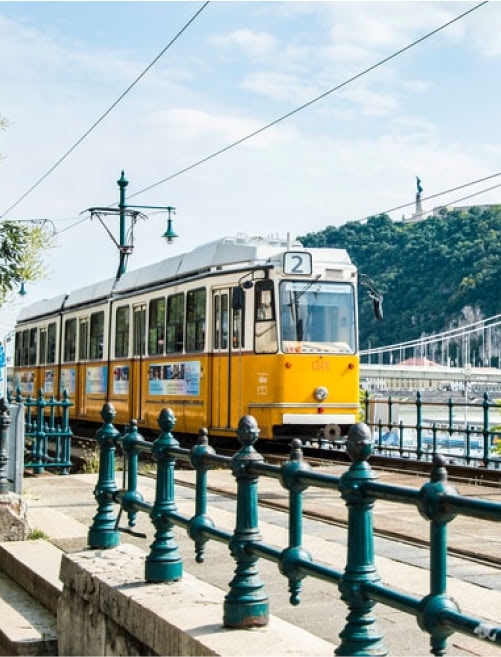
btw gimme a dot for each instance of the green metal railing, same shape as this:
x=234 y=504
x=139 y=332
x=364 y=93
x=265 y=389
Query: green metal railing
x=246 y=603
x=47 y=431
x=419 y=427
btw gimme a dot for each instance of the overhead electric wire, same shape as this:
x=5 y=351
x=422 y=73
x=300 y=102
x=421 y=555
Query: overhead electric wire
x=465 y=198
x=310 y=102
x=105 y=114
x=448 y=191
x=80 y=221
x=269 y=125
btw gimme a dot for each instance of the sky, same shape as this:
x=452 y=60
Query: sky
x=431 y=111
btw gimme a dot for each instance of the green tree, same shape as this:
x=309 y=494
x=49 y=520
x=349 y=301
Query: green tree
x=434 y=274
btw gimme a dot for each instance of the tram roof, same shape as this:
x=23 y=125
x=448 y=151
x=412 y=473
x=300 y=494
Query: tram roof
x=43 y=307
x=223 y=253
x=95 y=292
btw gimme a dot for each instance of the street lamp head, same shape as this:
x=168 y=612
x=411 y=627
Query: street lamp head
x=170 y=234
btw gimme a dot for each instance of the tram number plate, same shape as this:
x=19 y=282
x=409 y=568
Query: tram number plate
x=320 y=365
x=297 y=262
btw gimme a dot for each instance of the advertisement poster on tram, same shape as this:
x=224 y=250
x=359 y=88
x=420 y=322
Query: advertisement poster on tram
x=97 y=378
x=49 y=382
x=26 y=382
x=174 y=378
x=121 y=380
x=68 y=375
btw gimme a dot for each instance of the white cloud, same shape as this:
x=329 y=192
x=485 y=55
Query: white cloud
x=280 y=86
x=378 y=26
x=370 y=103
x=354 y=154
x=254 y=44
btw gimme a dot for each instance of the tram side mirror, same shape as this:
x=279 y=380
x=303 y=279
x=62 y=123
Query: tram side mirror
x=378 y=306
x=238 y=295
x=377 y=298
x=237 y=299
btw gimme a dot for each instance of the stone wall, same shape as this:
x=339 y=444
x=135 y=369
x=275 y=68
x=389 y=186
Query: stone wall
x=106 y=608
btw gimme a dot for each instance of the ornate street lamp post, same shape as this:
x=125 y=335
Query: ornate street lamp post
x=124 y=210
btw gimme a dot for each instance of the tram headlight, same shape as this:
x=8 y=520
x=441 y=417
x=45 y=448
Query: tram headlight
x=321 y=393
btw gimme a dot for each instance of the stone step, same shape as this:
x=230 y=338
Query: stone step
x=30 y=590
x=34 y=565
x=27 y=627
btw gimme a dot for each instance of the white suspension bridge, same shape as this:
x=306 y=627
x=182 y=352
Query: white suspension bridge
x=464 y=358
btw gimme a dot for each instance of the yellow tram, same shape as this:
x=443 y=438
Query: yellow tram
x=242 y=325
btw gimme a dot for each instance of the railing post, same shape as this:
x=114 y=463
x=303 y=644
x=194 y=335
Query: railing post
x=450 y=405
x=246 y=604
x=485 y=431
x=367 y=399
x=164 y=563
x=419 y=426
x=200 y=520
x=290 y=557
x=431 y=507
x=104 y=533
x=66 y=432
x=132 y=495
x=40 y=439
x=4 y=439
x=360 y=635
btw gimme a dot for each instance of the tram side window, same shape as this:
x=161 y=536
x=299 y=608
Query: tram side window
x=43 y=346
x=237 y=325
x=195 y=319
x=224 y=321
x=175 y=323
x=83 y=342
x=70 y=340
x=96 y=335
x=265 y=306
x=265 y=325
x=18 y=349
x=138 y=330
x=216 y=312
x=32 y=347
x=26 y=347
x=220 y=319
x=156 y=329
x=122 y=332
x=51 y=343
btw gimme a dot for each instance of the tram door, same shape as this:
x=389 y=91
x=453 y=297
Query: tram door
x=138 y=354
x=226 y=371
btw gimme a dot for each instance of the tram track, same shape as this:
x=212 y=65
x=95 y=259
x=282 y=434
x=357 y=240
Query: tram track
x=336 y=519
x=412 y=475
x=277 y=453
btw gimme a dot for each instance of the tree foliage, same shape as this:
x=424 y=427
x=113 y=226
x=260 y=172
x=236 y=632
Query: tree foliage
x=21 y=248
x=435 y=274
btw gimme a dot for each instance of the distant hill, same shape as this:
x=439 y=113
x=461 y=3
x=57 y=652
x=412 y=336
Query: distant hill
x=435 y=274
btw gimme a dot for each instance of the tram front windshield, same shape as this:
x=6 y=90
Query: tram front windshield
x=317 y=317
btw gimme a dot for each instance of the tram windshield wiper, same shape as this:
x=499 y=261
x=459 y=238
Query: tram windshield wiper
x=298 y=295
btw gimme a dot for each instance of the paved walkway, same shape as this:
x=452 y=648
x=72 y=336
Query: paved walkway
x=63 y=507
x=468 y=536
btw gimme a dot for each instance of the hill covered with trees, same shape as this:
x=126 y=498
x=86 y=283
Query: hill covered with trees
x=435 y=274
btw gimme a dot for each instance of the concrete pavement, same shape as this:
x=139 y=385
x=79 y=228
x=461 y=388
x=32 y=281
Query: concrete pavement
x=63 y=508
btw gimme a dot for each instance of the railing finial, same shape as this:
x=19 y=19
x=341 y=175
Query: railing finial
x=359 y=443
